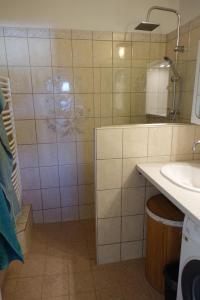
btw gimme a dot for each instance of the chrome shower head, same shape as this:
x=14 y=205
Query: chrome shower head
x=173 y=67
x=146 y=26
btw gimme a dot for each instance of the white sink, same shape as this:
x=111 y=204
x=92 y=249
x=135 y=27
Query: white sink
x=184 y=174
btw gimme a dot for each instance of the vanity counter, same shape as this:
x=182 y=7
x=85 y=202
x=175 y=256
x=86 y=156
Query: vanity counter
x=187 y=201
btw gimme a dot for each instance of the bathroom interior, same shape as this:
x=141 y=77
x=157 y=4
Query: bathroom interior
x=99 y=150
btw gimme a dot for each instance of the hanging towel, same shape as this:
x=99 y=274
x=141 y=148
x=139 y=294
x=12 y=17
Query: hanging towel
x=9 y=246
x=157 y=91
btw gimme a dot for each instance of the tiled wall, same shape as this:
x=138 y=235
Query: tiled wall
x=121 y=192
x=190 y=35
x=64 y=83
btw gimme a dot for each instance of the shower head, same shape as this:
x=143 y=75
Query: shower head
x=173 y=67
x=146 y=26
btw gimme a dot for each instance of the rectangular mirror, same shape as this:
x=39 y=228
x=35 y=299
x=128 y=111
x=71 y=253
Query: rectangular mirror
x=195 y=118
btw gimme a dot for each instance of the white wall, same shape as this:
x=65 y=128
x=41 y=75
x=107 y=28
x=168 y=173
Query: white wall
x=189 y=9
x=111 y=15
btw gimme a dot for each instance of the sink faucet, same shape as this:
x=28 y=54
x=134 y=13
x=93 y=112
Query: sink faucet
x=194 y=145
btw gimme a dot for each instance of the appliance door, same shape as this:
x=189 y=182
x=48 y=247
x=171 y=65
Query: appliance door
x=190 y=280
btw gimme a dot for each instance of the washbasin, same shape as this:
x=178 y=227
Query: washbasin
x=184 y=174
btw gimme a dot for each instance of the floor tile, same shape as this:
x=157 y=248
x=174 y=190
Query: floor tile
x=62 y=266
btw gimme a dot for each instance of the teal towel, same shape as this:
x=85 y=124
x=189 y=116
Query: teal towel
x=9 y=246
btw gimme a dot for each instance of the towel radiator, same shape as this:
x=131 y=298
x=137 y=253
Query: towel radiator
x=8 y=120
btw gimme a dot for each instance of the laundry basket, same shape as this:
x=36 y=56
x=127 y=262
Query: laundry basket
x=164 y=230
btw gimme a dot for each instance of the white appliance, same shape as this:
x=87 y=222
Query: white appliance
x=189 y=270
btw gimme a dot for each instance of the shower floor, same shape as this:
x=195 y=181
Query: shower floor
x=61 y=266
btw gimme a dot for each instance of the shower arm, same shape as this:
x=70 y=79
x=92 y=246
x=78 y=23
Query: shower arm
x=178 y=48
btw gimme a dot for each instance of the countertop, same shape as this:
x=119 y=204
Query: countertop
x=187 y=201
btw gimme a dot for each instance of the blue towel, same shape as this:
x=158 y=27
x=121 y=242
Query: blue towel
x=9 y=246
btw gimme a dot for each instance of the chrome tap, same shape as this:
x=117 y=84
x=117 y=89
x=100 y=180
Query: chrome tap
x=194 y=145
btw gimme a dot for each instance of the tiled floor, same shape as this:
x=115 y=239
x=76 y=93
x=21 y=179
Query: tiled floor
x=61 y=266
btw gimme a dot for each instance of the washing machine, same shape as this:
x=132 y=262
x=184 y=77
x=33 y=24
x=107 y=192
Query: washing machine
x=189 y=270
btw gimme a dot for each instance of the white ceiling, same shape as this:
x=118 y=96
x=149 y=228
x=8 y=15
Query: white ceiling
x=114 y=15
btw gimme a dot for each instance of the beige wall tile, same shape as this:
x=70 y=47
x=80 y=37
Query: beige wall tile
x=157 y=51
x=25 y=131
x=131 y=177
x=49 y=177
x=138 y=104
x=51 y=198
x=20 y=79
x=60 y=33
x=86 y=194
x=38 y=216
x=84 y=105
x=68 y=175
x=108 y=203
x=183 y=138
x=69 y=213
x=121 y=120
x=131 y=250
x=28 y=156
x=102 y=35
x=4 y=71
x=105 y=171
x=106 y=105
x=108 y=231
x=44 y=106
x=81 y=34
x=32 y=197
x=69 y=196
x=133 y=201
x=85 y=129
x=108 y=253
x=122 y=80
x=46 y=131
x=164 y=158
x=135 y=142
x=82 y=53
x=159 y=141
x=109 y=143
x=121 y=104
x=122 y=54
x=63 y=80
x=132 y=228
x=139 y=79
x=52 y=215
x=122 y=36
x=103 y=80
x=140 y=50
x=102 y=54
x=64 y=105
x=39 y=32
x=20 y=56
x=66 y=153
x=61 y=53
x=86 y=211
x=106 y=121
x=85 y=152
x=23 y=106
x=141 y=37
x=85 y=173
x=42 y=80
x=30 y=178
x=3 y=60
x=181 y=157
x=66 y=130
x=83 y=80
x=47 y=154
x=40 y=52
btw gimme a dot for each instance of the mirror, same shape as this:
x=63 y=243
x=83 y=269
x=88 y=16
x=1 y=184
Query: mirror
x=195 y=118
